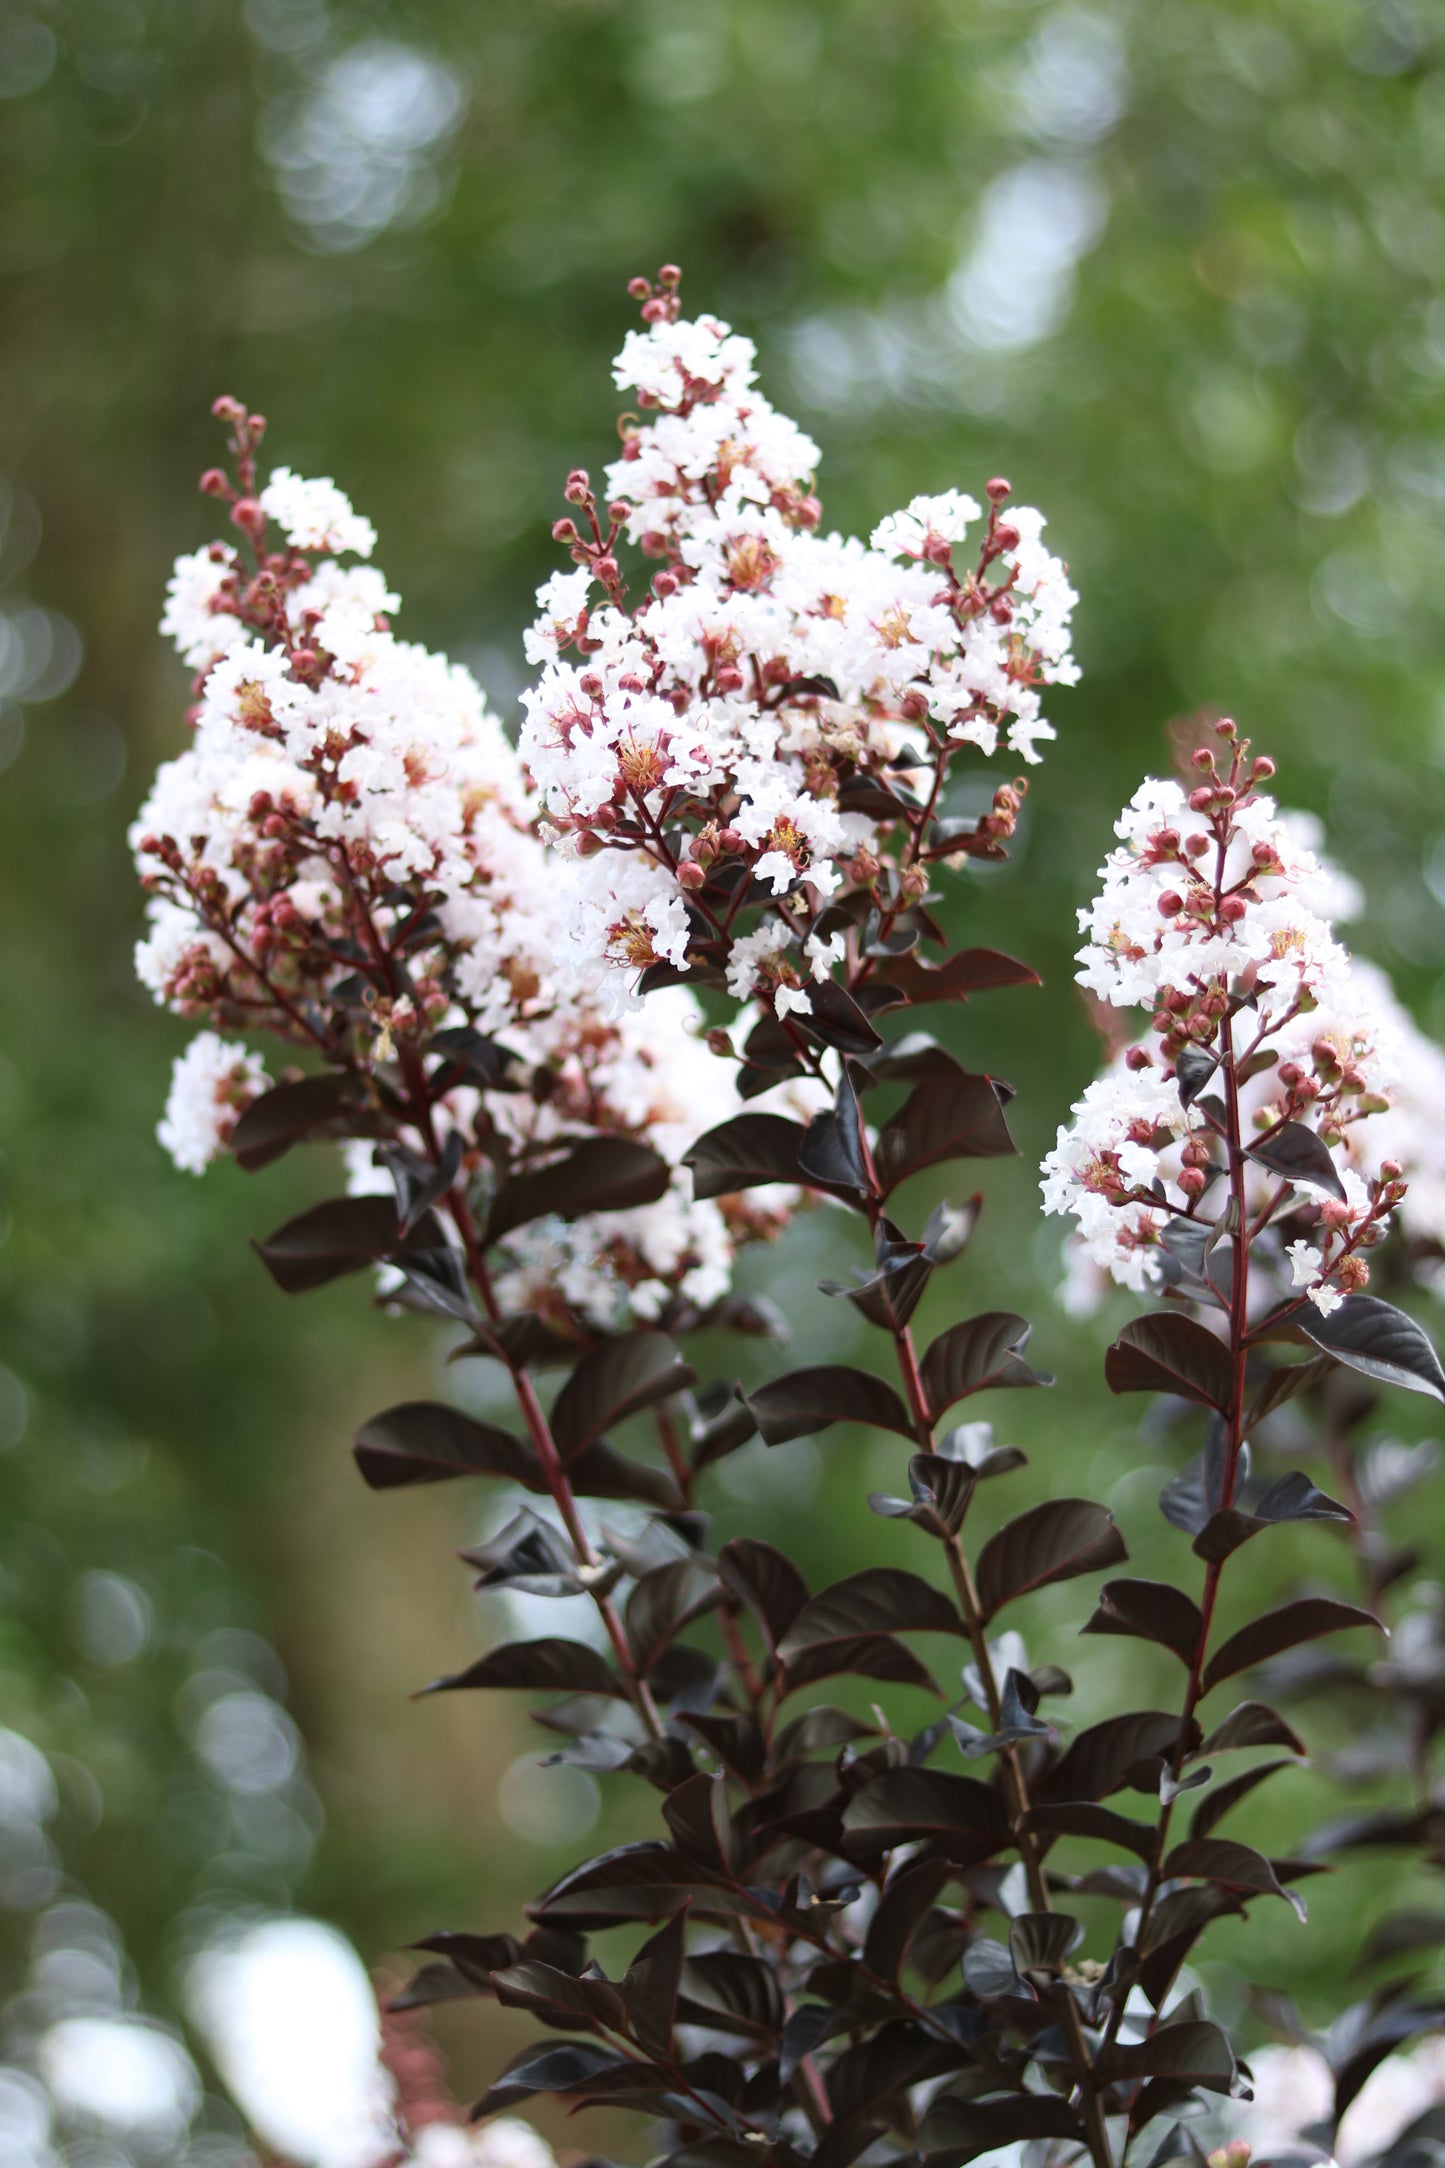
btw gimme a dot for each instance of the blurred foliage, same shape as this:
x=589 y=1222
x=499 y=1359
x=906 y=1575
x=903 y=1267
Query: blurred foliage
x=1175 y=268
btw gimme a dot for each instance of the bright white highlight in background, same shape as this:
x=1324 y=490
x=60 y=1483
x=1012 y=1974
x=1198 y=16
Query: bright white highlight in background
x=290 y=2017
x=121 y=2072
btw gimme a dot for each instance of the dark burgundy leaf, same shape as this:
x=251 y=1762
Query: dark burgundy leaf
x=546 y=1665
x=766 y=1580
x=563 y=2066
x=1282 y=1385
x=1285 y=1628
x=646 y=1881
x=616 y=1380
x=422 y=1441
x=1298 y=1154
x=1194 y=2051
x=662 y=1602
x=1041 y=1941
x=270 y=1125
x=909 y=1896
x=651 y=1985
x=1293 y=1498
x=1192 y=1071
x=834 y=1019
x=335 y=1238
x=559 y=1998
x=881 y=1599
x=903 y=1806
x=1100 y=1759
x=864 y=1656
x=434 y=1984
x=1152 y=1611
x=744 y=1152
x=1253 y=1723
x=804 y=1401
x=976 y=1354
x=957 y=2131
x=1236 y=1866
x=1054 y=1541
x=599 y=1472
x=730 y=1992
x=1081 y=1818
x=698 y=1815
x=970 y=971
x=599 y=1174
x=1169 y=1352
x=529 y=1556
x=1378 y=1340
x=831 y=1153
x=484 y=1060
x=957 y=1116
x=1224 y=1796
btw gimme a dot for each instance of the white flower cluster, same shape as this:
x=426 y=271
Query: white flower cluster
x=766 y=659
x=212 y=1084
x=340 y=783
x=1206 y=896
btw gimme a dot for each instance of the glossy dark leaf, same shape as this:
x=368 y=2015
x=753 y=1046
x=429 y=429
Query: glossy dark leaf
x=957 y=2131
x=1151 y=1611
x=423 y=1441
x=559 y=1998
x=730 y=1992
x=332 y=1239
x=484 y=1061
x=1236 y=1866
x=766 y=1580
x=650 y=1988
x=1224 y=1796
x=881 y=1599
x=1042 y=1941
x=1054 y=1541
x=619 y=1378
x=1253 y=1723
x=287 y=1113
x=964 y=1818
x=957 y=1116
x=1083 y=1818
x=646 y=1881
x=744 y=1152
x=804 y=1401
x=434 y=1984
x=1378 y=1340
x=970 y=971
x=528 y=1556
x=598 y=1174
x=977 y=1354
x=1169 y=1352
x=831 y=1153
x=1192 y=1071
x=662 y=1603
x=563 y=2066
x=1281 y=1385
x=1298 y=1154
x=864 y=1656
x=1193 y=2051
x=910 y=1894
x=1293 y=1498
x=599 y=1472
x=1100 y=1759
x=1274 y=1631
x=834 y=1019
x=547 y=1665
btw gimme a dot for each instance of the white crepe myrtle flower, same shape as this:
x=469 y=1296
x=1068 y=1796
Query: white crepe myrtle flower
x=212 y=1084
x=347 y=855
x=1212 y=915
x=738 y=714
x=316 y=515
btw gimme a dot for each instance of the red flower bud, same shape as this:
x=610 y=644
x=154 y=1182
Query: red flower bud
x=1202 y=799
x=1232 y=909
x=691 y=875
x=998 y=489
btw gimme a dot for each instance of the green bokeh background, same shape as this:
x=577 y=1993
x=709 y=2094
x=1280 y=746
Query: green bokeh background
x=1175 y=269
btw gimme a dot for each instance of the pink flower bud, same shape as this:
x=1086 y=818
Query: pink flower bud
x=606 y=570
x=1201 y=799
x=1197 y=846
x=1262 y=769
x=1171 y=903
x=1138 y=1057
x=1006 y=537
x=730 y=840
x=665 y=584
x=1391 y=1170
x=691 y=876
x=719 y=1043
x=564 y=530
x=588 y=845
x=1191 y=1181
x=639 y=288
x=1201 y=757
x=729 y=679
x=998 y=489
x=1232 y=909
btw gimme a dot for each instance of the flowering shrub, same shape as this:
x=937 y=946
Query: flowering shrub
x=734 y=788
